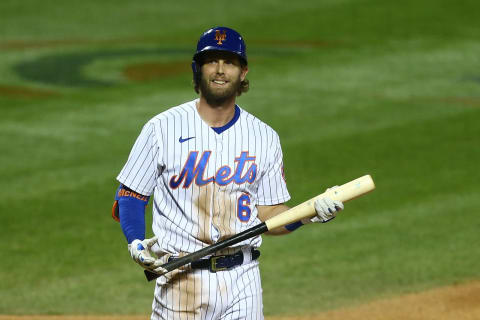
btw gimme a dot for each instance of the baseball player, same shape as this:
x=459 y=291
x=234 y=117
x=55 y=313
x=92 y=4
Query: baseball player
x=214 y=170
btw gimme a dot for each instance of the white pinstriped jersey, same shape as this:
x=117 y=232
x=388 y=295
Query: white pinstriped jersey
x=206 y=185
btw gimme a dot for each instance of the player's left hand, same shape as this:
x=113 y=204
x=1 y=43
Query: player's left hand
x=141 y=253
x=326 y=209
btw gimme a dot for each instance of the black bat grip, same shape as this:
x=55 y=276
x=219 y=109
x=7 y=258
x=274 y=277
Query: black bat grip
x=177 y=263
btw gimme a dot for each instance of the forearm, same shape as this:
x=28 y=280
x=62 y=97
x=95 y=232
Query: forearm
x=267 y=212
x=131 y=213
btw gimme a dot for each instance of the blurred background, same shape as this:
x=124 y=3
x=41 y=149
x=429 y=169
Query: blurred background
x=353 y=87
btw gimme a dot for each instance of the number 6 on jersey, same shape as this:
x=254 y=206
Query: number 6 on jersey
x=243 y=209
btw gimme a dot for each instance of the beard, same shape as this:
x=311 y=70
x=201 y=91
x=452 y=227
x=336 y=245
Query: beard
x=218 y=96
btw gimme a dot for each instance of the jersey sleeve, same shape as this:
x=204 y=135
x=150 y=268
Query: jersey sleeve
x=272 y=188
x=140 y=170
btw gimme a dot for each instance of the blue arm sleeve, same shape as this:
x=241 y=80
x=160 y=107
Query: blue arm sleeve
x=131 y=209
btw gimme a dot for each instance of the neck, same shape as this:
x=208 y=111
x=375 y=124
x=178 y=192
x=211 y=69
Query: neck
x=216 y=115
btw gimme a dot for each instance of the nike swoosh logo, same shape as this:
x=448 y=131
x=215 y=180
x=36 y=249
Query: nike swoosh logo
x=183 y=140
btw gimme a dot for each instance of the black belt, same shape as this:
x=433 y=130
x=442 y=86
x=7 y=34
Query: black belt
x=219 y=263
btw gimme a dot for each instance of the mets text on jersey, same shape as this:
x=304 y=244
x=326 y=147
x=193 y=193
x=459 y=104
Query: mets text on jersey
x=193 y=170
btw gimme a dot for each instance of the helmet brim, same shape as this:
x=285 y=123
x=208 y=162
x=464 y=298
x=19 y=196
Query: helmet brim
x=198 y=57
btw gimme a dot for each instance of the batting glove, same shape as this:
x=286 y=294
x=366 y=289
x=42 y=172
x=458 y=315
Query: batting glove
x=326 y=209
x=141 y=253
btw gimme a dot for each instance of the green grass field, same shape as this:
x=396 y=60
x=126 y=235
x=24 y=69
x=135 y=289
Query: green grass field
x=352 y=87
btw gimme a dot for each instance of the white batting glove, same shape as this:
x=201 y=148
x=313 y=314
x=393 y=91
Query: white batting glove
x=141 y=253
x=326 y=209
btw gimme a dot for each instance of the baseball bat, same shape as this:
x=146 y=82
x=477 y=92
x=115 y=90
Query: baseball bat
x=344 y=193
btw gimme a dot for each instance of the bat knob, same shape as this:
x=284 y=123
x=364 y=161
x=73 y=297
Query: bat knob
x=153 y=275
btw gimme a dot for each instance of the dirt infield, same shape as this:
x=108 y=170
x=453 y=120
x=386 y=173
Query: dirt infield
x=25 y=92
x=461 y=302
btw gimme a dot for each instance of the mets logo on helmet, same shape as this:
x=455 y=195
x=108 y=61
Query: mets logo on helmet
x=220 y=36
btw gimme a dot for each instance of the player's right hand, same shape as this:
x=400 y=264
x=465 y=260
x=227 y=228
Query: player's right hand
x=141 y=253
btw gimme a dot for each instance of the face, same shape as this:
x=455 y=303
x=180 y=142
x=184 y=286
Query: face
x=222 y=74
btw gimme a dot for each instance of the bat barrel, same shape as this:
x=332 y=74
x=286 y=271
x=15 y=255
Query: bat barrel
x=344 y=193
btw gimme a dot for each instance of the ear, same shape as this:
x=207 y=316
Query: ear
x=243 y=75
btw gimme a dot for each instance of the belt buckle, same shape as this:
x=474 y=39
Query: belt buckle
x=213 y=264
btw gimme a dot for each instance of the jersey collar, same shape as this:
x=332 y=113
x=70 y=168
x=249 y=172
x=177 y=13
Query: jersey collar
x=219 y=130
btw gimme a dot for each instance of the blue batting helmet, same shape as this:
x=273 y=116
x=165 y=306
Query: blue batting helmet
x=219 y=39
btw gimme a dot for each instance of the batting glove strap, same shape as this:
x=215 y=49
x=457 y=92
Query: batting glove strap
x=294 y=226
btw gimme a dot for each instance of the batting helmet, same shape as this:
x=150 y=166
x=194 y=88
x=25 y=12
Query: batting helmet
x=219 y=39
